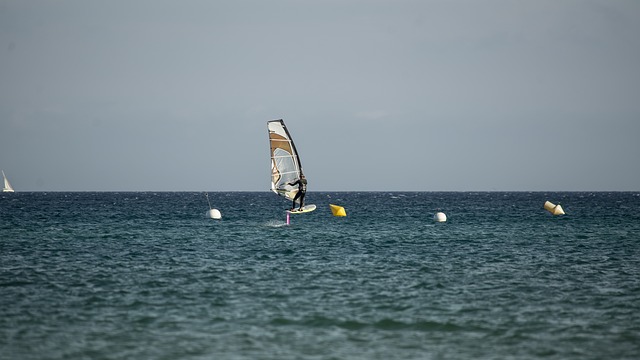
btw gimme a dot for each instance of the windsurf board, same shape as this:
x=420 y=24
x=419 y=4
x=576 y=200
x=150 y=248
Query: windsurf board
x=305 y=209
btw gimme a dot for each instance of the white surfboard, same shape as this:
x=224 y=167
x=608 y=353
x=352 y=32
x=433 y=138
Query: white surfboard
x=305 y=209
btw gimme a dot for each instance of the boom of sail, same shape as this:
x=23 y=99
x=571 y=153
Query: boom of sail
x=7 y=187
x=285 y=162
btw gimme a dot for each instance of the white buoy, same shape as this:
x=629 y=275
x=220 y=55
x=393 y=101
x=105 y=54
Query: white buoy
x=214 y=214
x=440 y=217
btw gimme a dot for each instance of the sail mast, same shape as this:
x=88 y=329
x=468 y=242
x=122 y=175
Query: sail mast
x=293 y=145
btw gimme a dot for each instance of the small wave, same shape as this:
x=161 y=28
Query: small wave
x=391 y=324
x=275 y=224
x=383 y=324
x=16 y=283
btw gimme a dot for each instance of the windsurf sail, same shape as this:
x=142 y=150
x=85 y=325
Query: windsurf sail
x=285 y=162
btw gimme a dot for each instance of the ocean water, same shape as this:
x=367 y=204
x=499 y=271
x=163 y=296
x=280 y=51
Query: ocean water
x=146 y=276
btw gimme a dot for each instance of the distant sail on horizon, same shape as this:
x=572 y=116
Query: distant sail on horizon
x=7 y=186
x=285 y=162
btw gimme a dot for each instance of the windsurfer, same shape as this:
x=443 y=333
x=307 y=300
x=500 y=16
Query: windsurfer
x=302 y=189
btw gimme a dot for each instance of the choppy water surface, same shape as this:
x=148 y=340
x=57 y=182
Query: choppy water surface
x=146 y=275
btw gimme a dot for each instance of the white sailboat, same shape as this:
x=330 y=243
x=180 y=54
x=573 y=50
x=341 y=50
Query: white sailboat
x=7 y=186
x=285 y=164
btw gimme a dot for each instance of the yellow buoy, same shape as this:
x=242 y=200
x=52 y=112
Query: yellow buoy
x=553 y=208
x=337 y=210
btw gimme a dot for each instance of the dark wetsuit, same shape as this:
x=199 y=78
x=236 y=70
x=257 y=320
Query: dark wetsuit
x=302 y=189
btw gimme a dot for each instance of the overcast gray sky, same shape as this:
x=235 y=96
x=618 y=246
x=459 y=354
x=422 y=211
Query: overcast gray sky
x=378 y=95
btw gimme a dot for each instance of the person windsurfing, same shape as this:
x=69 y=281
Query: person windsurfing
x=302 y=189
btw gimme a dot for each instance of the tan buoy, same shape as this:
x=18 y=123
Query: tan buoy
x=553 y=208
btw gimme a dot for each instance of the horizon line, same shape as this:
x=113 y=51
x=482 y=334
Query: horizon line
x=315 y=191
